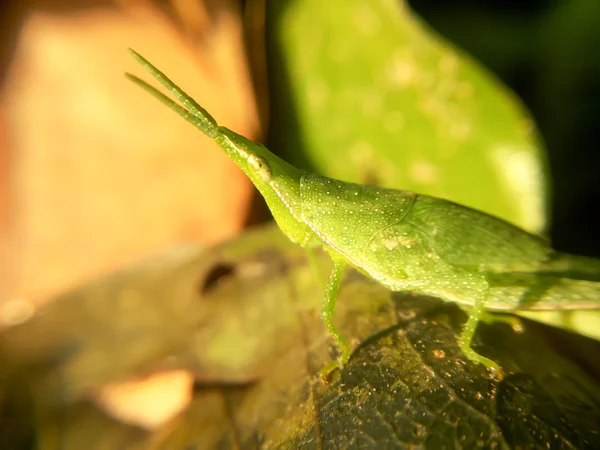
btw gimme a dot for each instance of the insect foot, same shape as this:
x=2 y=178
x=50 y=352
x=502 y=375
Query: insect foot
x=327 y=370
x=476 y=313
x=339 y=363
x=472 y=355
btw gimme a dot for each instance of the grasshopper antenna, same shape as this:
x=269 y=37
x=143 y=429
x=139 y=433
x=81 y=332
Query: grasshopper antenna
x=198 y=122
x=192 y=111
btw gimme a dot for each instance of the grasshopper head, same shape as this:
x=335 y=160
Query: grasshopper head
x=277 y=181
x=253 y=158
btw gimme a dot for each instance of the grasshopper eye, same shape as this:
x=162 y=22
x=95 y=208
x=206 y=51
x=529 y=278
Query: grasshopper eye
x=261 y=167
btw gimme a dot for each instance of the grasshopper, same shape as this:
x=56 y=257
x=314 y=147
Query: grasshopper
x=403 y=240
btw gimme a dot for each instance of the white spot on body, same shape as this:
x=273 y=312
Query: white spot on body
x=390 y=244
x=407 y=241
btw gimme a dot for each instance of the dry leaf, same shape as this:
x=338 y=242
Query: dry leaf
x=102 y=174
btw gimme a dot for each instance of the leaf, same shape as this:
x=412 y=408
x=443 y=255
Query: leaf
x=245 y=318
x=364 y=92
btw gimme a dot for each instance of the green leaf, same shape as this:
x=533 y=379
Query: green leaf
x=363 y=91
x=244 y=318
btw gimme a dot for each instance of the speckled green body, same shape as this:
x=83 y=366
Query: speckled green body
x=403 y=240
x=411 y=241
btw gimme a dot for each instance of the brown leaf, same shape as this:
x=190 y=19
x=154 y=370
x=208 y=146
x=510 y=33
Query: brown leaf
x=102 y=174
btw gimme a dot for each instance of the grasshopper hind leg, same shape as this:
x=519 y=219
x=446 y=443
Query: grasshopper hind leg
x=468 y=285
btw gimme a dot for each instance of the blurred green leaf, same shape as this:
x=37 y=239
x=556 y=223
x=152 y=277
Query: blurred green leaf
x=244 y=318
x=365 y=92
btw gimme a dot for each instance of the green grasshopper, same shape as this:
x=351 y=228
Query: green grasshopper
x=404 y=241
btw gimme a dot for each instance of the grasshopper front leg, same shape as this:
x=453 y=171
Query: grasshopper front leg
x=327 y=312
